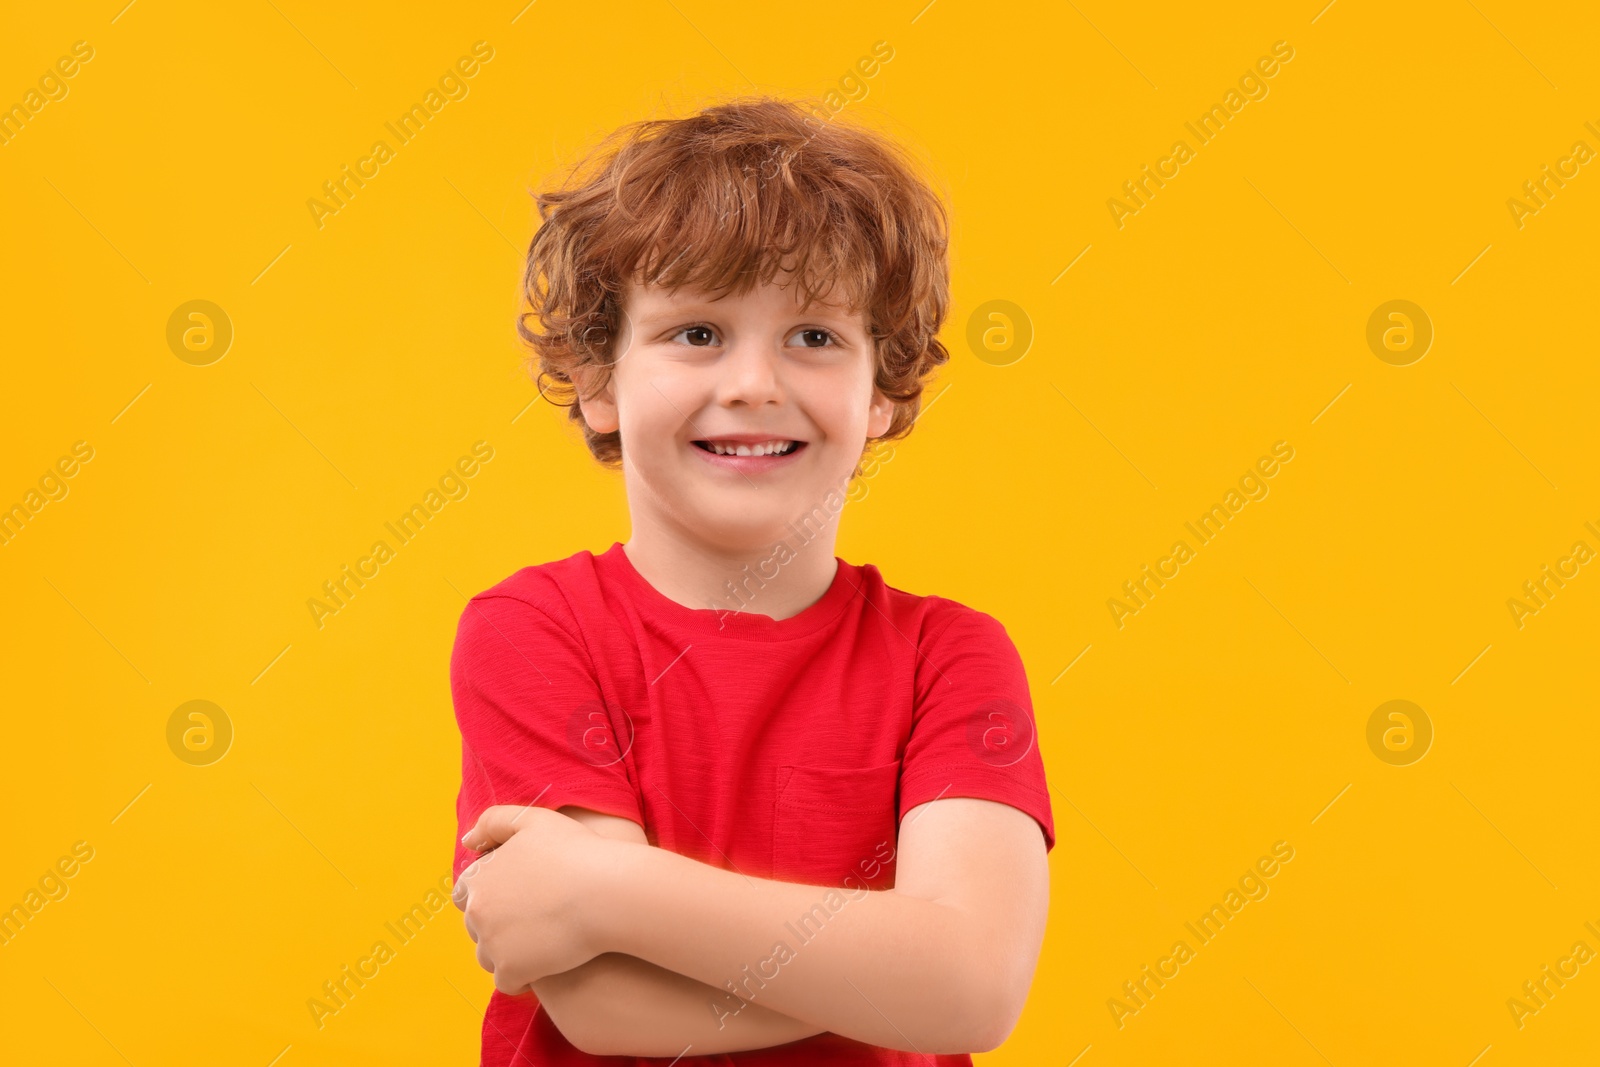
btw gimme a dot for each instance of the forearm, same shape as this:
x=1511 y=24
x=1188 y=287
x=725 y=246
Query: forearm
x=619 y=1005
x=879 y=967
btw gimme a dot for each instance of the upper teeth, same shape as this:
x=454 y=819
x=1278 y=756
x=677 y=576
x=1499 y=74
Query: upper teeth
x=765 y=448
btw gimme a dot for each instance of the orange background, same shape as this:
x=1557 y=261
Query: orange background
x=1166 y=355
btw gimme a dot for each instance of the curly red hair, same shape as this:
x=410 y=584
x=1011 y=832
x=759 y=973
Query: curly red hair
x=751 y=187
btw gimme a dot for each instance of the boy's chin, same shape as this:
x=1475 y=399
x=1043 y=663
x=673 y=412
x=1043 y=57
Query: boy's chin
x=736 y=524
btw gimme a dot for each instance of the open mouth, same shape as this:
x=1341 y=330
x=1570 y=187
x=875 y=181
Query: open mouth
x=773 y=449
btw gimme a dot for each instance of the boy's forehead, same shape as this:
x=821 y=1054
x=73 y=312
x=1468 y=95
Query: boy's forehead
x=649 y=299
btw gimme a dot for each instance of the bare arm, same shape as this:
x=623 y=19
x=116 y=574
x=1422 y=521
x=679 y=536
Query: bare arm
x=620 y=1005
x=942 y=963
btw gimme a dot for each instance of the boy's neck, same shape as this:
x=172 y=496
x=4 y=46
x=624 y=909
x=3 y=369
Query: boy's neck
x=697 y=575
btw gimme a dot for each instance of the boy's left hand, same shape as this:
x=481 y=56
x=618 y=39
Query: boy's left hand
x=525 y=902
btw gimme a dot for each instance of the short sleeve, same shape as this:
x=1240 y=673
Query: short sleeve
x=972 y=727
x=535 y=728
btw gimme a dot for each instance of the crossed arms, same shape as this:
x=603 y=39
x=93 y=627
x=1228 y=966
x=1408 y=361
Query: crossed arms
x=633 y=949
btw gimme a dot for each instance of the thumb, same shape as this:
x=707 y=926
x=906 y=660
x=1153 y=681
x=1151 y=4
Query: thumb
x=494 y=827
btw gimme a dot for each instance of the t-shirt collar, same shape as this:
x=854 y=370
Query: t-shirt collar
x=731 y=622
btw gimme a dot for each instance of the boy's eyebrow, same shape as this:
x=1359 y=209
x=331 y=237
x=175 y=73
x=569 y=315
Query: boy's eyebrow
x=690 y=308
x=677 y=310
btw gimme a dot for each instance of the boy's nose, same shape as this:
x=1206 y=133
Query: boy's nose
x=750 y=373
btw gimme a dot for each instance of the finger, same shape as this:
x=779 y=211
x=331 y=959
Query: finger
x=510 y=982
x=458 y=894
x=494 y=827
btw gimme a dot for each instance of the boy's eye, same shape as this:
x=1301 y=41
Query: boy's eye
x=812 y=333
x=701 y=336
x=696 y=333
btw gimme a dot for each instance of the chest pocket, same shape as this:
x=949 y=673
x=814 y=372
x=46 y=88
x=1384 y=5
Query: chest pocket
x=836 y=825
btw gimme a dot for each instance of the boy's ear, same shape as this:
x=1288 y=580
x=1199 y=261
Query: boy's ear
x=599 y=408
x=880 y=413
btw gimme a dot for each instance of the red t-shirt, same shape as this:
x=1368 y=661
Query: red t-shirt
x=785 y=749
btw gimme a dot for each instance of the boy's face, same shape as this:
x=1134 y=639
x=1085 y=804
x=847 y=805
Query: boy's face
x=692 y=373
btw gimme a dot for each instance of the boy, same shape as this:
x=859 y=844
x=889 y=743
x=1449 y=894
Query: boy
x=743 y=802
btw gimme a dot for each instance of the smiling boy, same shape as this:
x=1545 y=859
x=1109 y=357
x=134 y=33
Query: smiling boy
x=812 y=829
